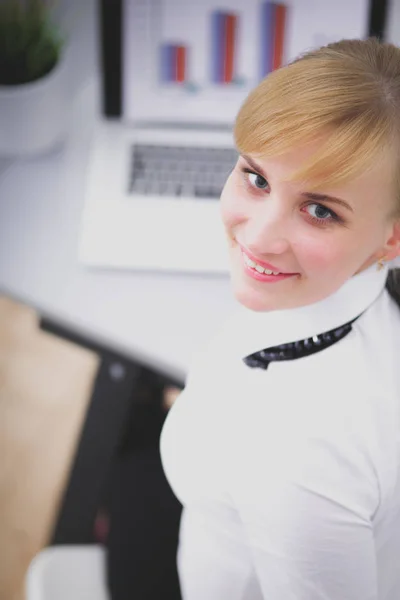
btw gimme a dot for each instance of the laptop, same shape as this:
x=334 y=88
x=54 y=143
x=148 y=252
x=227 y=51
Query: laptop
x=175 y=74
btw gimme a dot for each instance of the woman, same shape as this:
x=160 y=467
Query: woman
x=284 y=447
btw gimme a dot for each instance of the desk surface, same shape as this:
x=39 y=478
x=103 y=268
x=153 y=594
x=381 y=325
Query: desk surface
x=159 y=318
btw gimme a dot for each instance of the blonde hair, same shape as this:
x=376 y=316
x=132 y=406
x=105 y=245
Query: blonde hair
x=346 y=93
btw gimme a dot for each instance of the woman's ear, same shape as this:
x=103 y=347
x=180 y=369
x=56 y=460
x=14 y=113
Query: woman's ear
x=392 y=246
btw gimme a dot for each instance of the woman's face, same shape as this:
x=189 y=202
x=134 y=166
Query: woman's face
x=315 y=240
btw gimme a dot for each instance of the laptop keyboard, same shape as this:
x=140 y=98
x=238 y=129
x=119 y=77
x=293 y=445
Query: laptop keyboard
x=180 y=171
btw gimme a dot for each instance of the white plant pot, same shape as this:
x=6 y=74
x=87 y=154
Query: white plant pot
x=34 y=116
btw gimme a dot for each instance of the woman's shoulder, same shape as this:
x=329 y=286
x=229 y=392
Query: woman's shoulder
x=376 y=342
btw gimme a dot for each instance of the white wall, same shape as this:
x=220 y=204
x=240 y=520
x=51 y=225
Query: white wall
x=79 y=19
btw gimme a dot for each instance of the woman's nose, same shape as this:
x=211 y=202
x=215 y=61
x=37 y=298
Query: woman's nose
x=268 y=231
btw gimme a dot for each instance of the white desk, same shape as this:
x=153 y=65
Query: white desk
x=159 y=318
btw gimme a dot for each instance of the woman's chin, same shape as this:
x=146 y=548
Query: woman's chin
x=251 y=299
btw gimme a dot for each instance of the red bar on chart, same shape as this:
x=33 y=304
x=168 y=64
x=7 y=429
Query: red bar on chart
x=181 y=56
x=273 y=17
x=230 y=47
x=279 y=35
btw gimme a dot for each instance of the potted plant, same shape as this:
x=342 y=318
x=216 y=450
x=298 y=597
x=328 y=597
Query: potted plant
x=33 y=78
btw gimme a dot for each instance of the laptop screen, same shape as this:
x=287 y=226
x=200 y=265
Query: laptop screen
x=194 y=61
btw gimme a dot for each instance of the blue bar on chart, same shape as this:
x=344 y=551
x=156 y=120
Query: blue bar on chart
x=217 y=46
x=267 y=37
x=167 y=63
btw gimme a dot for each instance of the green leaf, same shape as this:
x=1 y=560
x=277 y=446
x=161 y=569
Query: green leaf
x=30 y=43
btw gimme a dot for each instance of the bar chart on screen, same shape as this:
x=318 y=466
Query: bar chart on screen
x=218 y=46
x=204 y=56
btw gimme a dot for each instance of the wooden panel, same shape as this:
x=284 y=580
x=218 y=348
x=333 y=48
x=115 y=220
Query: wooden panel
x=45 y=386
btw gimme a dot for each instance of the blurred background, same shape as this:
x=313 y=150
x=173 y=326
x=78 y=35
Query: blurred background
x=115 y=141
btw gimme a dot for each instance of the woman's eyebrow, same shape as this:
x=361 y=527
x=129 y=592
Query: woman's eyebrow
x=309 y=195
x=254 y=165
x=326 y=198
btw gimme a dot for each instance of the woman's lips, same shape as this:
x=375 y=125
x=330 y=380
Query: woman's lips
x=264 y=277
x=251 y=257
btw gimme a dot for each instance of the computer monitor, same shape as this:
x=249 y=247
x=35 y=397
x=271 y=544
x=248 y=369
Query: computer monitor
x=150 y=45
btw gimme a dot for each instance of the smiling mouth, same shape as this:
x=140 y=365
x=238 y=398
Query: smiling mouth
x=259 y=268
x=261 y=273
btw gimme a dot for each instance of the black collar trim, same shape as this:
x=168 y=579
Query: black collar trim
x=299 y=349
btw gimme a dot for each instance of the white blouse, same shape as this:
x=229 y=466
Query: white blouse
x=290 y=476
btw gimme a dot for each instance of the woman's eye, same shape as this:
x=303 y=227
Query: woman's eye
x=257 y=180
x=320 y=212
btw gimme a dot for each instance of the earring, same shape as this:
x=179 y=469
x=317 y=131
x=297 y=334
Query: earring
x=381 y=263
